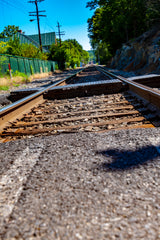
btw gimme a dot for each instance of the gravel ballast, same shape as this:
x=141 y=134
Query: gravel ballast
x=85 y=186
x=36 y=83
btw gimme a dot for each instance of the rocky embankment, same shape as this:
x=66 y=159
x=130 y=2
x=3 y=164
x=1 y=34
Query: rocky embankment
x=141 y=55
x=4 y=100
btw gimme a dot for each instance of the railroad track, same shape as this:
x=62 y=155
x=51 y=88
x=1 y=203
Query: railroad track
x=152 y=96
x=37 y=115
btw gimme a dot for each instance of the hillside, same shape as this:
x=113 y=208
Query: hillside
x=141 y=55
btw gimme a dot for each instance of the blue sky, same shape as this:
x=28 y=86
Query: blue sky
x=71 y=14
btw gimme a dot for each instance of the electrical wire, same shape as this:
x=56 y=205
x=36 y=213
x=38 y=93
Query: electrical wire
x=21 y=4
x=3 y=15
x=20 y=7
x=13 y=6
x=50 y=25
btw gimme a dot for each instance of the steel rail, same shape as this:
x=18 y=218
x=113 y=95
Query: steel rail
x=147 y=93
x=17 y=109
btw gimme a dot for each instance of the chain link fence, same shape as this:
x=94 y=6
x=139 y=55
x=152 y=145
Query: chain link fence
x=28 y=66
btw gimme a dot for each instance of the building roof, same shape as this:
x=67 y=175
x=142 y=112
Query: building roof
x=47 y=39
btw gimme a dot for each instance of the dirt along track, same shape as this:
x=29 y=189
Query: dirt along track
x=74 y=175
x=36 y=83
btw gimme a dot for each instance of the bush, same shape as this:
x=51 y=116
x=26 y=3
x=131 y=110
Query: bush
x=32 y=70
x=56 y=67
x=4 y=88
x=69 y=54
x=14 y=47
x=25 y=78
x=2 y=62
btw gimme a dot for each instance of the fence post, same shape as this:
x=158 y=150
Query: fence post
x=9 y=66
x=24 y=66
x=18 y=65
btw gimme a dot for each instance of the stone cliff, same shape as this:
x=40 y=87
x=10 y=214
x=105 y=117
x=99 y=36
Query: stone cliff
x=141 y=55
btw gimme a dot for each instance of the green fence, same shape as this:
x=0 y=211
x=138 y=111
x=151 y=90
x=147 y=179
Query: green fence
x=25 y=65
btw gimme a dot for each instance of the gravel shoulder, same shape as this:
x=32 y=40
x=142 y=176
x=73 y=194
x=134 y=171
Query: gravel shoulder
x=87 y=186
x=36 y=83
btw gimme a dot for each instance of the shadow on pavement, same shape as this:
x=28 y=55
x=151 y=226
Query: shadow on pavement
x=124 y=160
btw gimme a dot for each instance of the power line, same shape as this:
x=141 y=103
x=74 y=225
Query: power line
x=20 y=5
x=3 y=15
x=36 y=14
x=59 y=32
x=13 y=6
x=50 y=25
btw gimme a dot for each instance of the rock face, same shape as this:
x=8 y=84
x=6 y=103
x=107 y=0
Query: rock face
x=141 y=55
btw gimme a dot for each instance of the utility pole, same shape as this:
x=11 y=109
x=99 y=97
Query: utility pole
x=59 y=32
x=36 y=14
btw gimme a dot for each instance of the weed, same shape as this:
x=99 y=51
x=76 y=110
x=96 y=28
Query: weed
x=18 y=78
x=32 y=70
x=4 y=88
x=22 y=76
x=16 y=85
x=8 y=73
x=56 y=67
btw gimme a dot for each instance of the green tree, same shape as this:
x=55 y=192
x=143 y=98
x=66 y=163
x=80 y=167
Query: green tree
x=116 y=21
x=3 y=47
x=9 y=31
x=58 y=54
x=3 y=50
x=153 y=11
x=31 y=51
x=69 y=54
x=14 y=47
x=77 y=53
x=85 y=57
x=2 y=62
x=92 y=56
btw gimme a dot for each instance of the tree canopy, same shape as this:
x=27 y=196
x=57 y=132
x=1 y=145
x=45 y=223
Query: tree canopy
x=69 y=54
x=116 y=21
x=9 y=31
x=14 y=47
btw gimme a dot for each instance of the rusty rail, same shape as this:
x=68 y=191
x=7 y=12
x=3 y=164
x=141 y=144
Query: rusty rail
x=35 y=115
x=17 y=109
x=147 y=93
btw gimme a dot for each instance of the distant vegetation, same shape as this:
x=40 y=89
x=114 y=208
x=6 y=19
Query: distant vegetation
x=68 y=54
x=92 y=56
x=14 y=47
x=117 y=21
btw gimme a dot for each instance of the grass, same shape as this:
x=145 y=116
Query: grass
x=39 y=76
x=16 y=85
x=4 y=88
x=18 y=79
x=6 y=83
